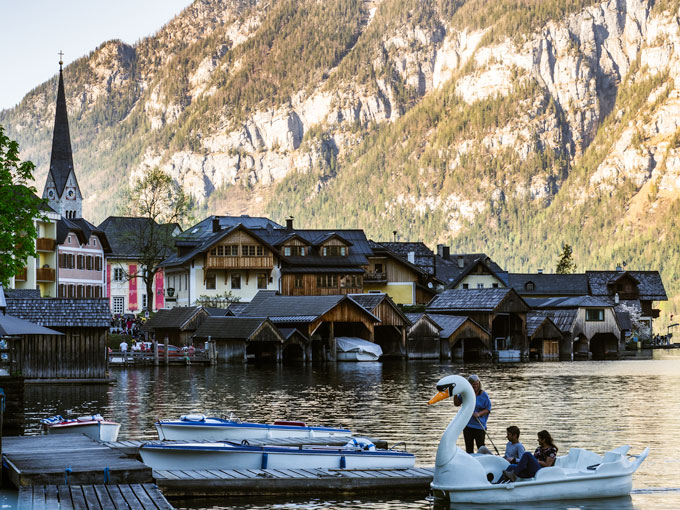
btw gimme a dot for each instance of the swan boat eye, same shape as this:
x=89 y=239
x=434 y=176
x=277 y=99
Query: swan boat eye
x=445 y=387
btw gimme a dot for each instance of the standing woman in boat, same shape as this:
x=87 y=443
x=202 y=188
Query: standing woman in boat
x=475 y=430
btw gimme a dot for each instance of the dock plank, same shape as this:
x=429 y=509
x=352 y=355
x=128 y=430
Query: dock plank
x=117 y=497
x=157 y=497
x=51 y=496
x=78 y=498
x=130 y=497
x=142 y=496
x=103 y=497
x=65 y=500
x=91 y=498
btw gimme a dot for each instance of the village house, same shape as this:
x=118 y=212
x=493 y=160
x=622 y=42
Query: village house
x=127 y=236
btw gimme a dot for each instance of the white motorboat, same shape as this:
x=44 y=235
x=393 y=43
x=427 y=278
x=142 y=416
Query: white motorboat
x=358 y=453
x=463 y=478
x=198 y=427
x=94 y=426
x=349 y=348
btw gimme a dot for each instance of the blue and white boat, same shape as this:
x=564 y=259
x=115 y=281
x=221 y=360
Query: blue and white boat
x=198 y=427
x=358 y=453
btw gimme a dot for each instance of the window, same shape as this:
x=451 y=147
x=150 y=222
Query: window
x=118 y=274
x=297 y=282
x=62 y=290
x=71 y=291
x=144 y=302
x=97 y=291
x=287 y=251
x=334 y=251
x=94 y=241
x=595 y=314
x=236 y=281
x=530 y=286
x=327 y=281
x=81 y=262
x=480 y=285
x=296 y=251
x=211 y=282
x=494 y=285
x=89 y=265
x=466 y=286
x=118 y=304
x=81 y=291
x=97 y=263
x=248 y=250
x=378 y=268
x=69 y=239
x=88 y=291
x=262 y=280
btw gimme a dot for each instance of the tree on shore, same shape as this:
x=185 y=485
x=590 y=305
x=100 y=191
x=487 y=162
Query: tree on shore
x=160 y=203
x=19 y=208
x=566 y=264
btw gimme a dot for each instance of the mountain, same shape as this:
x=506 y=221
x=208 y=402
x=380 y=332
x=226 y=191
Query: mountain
x=504 y=126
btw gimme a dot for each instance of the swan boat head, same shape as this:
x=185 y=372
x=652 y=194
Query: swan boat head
x=453 y=466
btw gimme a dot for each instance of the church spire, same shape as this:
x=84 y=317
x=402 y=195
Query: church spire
x=68 y=202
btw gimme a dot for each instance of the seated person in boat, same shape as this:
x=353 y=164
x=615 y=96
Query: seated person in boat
x=528 y=464
x=514 y=449
x=475 y=430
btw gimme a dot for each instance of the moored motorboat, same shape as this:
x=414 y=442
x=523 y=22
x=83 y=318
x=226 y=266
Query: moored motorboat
x=198 y=427
x=358 y=453
x=94 y=426
x=356 y=349
x=463 y=478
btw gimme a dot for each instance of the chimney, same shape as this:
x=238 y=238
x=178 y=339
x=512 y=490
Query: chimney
x=619 y=268
x=461 y=261
x=447 y=253
x=394 y=233
x=440 y=250
x=289 y=223
x=540 y=271
x=216 y=224
x=412 y=257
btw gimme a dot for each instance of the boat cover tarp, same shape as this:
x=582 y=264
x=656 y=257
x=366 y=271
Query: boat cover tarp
x=354 y=344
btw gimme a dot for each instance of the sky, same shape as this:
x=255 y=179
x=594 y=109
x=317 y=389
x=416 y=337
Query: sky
x=32 y=32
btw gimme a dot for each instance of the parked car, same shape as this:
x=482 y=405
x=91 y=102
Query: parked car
x=173 y=350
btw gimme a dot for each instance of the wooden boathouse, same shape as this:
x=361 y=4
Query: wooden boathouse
x=390 y=333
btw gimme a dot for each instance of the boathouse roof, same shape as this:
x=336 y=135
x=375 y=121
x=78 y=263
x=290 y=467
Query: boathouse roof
x=63 y=313
x=179 y=317
x=231 y=327
x=537 y=319
x=483 y=300
x=449 y=324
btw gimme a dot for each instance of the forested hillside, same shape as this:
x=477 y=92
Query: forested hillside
x=504 y=126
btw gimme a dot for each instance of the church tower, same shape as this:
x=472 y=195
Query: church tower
x=61 y=188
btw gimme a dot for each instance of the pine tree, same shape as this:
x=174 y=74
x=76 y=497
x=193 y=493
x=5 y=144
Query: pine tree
x=566 y=264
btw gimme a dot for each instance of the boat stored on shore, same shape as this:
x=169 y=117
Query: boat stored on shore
x=358 y=453
x=198 y=427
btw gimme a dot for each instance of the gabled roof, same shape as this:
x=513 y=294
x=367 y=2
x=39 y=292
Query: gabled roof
x=564 y=319
x=568 y=302
x=268 y=303
x=449 y=324
x=380 y=250
x=546 y=283
x=415 y=317
x=535 y=320
x=287 y=333
x=230 y=327
x=484 y=261
x=650 y=285
x=173 y=318
x=13 y=326
x=423 y=257
x=122 y=231
x=62 y=313
x=326 y=236
x=61 y=160
x=203 y=230
x=235 y=309
x=483 y=300
x=371 y=301
x=83 y=229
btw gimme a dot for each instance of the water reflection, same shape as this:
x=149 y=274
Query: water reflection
x=595 y=405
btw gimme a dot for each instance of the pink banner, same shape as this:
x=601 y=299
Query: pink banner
x=160 y=290
x=108 y=283
x=132 y=288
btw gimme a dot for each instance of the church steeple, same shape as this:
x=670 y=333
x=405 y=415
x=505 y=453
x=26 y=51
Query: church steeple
x=61 y=188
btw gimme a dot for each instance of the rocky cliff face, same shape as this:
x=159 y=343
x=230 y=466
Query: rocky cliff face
x=444 y=125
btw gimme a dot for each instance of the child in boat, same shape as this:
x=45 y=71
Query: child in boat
x=528 y=464
x=514 y=449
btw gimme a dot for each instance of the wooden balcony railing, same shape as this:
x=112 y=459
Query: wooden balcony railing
x=45 y=244
x=375 y=276
x=214 y=262
x=22 y=275
x=45 y=274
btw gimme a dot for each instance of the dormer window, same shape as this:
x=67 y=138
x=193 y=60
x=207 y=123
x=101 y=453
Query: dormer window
x=334 y=251
x=294 y=251
x=530 y=286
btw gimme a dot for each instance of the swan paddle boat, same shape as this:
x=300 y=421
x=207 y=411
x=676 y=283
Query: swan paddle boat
x=94 y=426
x=357 y=453
x=464 y=478
x=198 y=427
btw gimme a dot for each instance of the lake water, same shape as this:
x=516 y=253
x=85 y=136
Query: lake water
x=594 y=405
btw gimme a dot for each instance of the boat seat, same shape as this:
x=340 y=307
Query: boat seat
x=550 y=473
x=578 y=458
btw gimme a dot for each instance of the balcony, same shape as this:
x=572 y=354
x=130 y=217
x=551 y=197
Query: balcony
x=375 y=277
x=45 y=274
x=45 y=244
x=216 y=262
x=22 y=275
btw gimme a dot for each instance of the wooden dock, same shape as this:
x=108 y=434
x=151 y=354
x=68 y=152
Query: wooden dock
x=69 y=459
x=92 y=497
x=270 y=482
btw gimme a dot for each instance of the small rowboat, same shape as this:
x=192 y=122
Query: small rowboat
x=94 y=426
x=198 y=427
x=358 y=453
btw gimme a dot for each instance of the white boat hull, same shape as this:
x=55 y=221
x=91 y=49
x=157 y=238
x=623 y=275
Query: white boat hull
x=213 y=429
x=357 y=356
x=221 y=456
x=100 y=431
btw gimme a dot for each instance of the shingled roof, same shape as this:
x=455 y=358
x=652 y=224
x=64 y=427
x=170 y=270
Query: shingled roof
x=423 y=257
x=372 y=300
x=535 y=320
x=563 y=319
x=483 y=300
x=22 y=293
x=122 y=231
x=449 y=324
x=548 y=283
x=449 y=271
x=173 y=318
x=230 y=327
x=650 y=285
x=568 y=302
x=268 y=303
x=62 y=313
x=83 y=229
